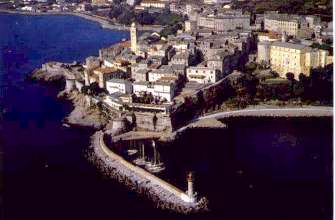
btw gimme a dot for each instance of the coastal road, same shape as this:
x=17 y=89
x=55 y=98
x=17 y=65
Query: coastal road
x=313 y=111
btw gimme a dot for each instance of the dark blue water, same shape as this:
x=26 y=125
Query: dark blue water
x=257 y=169
x=31 y=132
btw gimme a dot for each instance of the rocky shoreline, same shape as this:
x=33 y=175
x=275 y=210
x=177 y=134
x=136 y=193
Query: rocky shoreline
x=87 y=115
x=83 y=114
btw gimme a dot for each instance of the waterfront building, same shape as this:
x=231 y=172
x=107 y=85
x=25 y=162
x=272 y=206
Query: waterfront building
x=113 y=103
x=202 y=74
x=92 y=63
x=102 y=74
x=164 y=90
x=119 y=86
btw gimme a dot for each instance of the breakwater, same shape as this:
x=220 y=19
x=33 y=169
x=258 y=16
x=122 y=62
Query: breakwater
x=274 y=112
x=164 y=195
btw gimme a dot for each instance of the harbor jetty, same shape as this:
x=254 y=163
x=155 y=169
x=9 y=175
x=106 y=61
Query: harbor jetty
x=90 y=108
x=162 y=193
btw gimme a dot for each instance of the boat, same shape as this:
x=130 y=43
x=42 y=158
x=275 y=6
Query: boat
x=66 y=125
x=155 y=166
x=141 y=160
x=132 y=152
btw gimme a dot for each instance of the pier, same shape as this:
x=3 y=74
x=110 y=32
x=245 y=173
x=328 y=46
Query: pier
x=164 y=194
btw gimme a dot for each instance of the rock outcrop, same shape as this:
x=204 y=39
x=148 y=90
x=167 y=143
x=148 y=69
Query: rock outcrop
x=85 y=114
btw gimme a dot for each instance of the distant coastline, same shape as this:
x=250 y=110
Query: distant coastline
x=104 y=22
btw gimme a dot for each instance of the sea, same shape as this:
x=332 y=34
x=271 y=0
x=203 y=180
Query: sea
x=256 y=169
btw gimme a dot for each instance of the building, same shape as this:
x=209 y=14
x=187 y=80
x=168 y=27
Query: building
x=292 y=25
x=296 y=58
x=155 y=75
x=102 y=74
x=119 y=86
x=224 y=22
x=92 y=63
x=160 y=89
x=153 y=4
x=202 y=74
x=190 y=25
x=99 y=2
x=263 y=52
x=131 y=2
x=133 y=38
x=181 y=59
x=140 y=75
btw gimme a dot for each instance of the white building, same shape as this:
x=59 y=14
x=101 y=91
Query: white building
x=202 y=74
x=162 y=90
x=157 y=74
x=119 y=85
x=153 y=4
x=131 y=2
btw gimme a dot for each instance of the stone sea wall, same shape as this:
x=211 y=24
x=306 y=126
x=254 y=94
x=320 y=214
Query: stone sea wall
x=163 y=194
x=148 y=122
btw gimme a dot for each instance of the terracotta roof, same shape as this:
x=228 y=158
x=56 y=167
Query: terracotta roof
x=105 y=70
x=125 y=43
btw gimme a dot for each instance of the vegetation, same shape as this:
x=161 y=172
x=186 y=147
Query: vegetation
x=93 y=89
x=325 y=46
x=322 y=7
x=170 y=30
x=125 y=15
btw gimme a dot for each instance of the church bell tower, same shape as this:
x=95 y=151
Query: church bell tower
x=133 y=38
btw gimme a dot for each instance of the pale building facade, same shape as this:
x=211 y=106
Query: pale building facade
x=162 y=90
x=292 y=25
x=263 y=52
x=202 y=74
x=296 y=58
x=119 y=85
x=157 y=74
x=153 y=4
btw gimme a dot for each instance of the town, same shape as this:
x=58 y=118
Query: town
x=206 y=58
x=219 y=59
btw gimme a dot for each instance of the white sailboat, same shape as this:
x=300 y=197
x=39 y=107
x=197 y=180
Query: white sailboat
x=141 y=160
x=155 y=166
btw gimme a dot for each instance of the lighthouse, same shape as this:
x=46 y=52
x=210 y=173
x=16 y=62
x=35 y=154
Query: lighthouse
x=190 y=193
x=133 y=38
